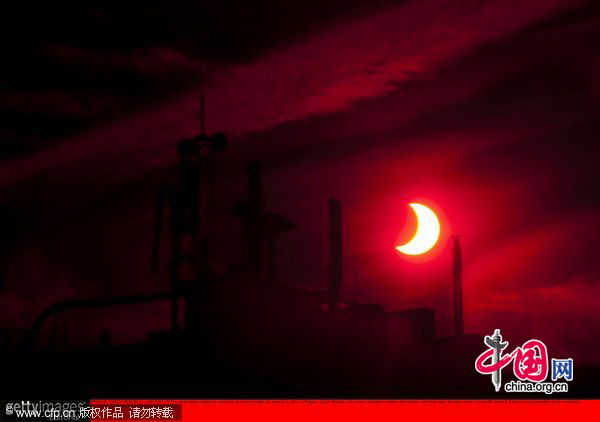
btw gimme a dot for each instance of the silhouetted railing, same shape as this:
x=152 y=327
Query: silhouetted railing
x=30 y=339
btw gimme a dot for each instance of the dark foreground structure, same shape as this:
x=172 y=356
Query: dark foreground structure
x=257 y=339
x=243 y=334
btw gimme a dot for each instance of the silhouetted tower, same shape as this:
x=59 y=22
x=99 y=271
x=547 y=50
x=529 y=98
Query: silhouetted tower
x=254 y=246
x=356 y=301
x=190 y=208
x=259 y=228
x=457 y=281
x=335 y=252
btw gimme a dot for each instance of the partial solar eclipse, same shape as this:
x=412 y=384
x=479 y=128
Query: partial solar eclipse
x=427 y=234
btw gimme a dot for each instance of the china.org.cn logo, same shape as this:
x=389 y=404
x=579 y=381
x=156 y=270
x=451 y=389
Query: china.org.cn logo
x=530 y=366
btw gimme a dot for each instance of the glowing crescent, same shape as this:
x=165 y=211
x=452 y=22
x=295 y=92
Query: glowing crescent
x=428 y=231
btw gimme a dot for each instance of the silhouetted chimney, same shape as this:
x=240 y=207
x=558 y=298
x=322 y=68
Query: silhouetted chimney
x=459 y=328
x=335 y=252
x=255 y=210
x=272 y=225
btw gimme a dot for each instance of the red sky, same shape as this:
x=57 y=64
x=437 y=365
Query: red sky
x=486 y=109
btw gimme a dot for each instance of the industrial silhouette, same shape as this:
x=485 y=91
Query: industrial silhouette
x=245 y=332
x=459 y=328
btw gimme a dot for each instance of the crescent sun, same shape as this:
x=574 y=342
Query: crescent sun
x=427 y=234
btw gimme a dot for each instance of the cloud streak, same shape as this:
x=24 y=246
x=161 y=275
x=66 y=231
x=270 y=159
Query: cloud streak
x=326 y=72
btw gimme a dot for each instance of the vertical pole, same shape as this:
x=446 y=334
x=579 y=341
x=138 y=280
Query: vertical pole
x=175 y=257
x=255 y=211
x=202 y=132
x=212 y=204
x=457 y=279
x=335 y=252
x=356 y=287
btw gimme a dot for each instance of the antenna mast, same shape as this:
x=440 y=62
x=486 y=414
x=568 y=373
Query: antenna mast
x=202 y=132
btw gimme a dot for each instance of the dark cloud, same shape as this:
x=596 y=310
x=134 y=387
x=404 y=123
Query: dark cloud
x=325 y=71
x=134 y=53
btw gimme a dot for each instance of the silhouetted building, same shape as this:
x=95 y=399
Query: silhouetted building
x=259 y=228
x=335 y=253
